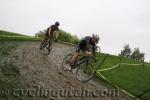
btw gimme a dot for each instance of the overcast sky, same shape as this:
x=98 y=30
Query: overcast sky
x=116 y=21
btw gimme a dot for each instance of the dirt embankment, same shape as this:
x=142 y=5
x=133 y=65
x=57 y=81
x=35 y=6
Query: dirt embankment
x=42 y=72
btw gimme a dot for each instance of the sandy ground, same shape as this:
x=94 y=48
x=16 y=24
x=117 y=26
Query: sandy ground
x=42 y=72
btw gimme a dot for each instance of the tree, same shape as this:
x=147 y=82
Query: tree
x=137 y=55
x=126 y=51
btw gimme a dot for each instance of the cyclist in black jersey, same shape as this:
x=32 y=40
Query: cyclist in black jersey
x=51 y=32
x=84 y=46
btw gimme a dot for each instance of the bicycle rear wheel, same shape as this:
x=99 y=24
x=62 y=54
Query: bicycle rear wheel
x=85 y=72
x=46 y=47
x=66 y=62
x=49 y=47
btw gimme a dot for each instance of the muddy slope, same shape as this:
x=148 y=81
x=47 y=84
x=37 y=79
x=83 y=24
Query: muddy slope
x=42 y=72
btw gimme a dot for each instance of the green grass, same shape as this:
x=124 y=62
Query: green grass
x=19 y=38
x=133 y=79
x=67 y=37
x=10 y=33
x=9 y=36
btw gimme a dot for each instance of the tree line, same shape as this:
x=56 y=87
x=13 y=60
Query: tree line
x=63 y=36
x=134 y=54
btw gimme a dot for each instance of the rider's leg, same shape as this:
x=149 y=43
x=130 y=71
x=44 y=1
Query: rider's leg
x=87 y=53
x=55 y=35
x=74 y=58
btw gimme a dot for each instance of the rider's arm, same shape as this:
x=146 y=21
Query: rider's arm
x=94 y=51
x=49 y=31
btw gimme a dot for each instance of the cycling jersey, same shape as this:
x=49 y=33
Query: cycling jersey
x=52 y=28
x=85 y=43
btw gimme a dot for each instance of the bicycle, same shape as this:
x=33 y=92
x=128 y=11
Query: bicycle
x=84 y=68
x=46 y=46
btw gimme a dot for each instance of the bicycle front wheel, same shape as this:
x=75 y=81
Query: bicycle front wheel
x=85 y=72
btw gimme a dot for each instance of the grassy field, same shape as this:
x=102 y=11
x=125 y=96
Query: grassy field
x=10 y=33
x=134 y=79
x=7 y=36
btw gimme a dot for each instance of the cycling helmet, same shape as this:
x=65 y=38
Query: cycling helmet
x=57 y=23
x=96 y=36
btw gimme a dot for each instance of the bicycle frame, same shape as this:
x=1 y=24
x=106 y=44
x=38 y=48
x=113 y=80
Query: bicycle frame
x=47 y=42
x=84 y=60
